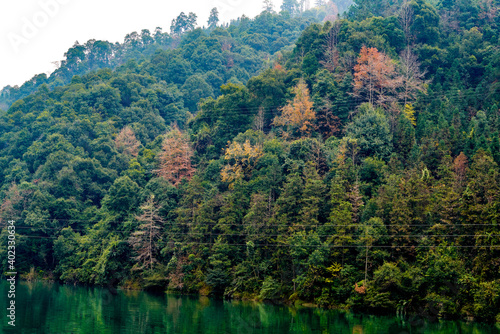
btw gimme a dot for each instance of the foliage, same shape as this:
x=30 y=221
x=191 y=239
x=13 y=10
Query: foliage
x=381 y=206
x=175 y=157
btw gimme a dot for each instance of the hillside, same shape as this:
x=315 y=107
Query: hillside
x=358 y=167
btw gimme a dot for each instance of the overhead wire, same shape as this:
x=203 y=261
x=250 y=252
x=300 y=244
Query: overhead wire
x=198 y=243
x=246 y=111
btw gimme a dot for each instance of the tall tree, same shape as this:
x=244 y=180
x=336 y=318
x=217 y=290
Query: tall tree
x=412 y=78
x=175 y=158
x=213 y=20
x=374 y=77
x=290 y=6
x=144 y=239
x=371 y=232
x=268 y=6
x=340 y=220
x=183 y=23
x=405 y=19
x=298 y=115
x=312 y=198
x=331 y=54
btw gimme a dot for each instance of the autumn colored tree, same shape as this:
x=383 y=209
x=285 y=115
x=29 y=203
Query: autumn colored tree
x=175 y=158
x=144 y=239
x=127 y=143
x=241 y=160
x=375 y=77
x=460 y=165
x=298 y=115
x=11 y=205
x=409 y=113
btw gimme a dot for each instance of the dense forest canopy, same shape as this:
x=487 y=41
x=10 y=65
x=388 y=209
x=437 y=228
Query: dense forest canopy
x=298 y=156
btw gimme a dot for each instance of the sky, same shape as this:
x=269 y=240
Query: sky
x=36 y=33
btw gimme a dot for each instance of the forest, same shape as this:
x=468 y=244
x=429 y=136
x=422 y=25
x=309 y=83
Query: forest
x=345 y=156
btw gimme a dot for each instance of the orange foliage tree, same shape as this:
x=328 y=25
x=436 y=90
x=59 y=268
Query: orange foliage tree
x=298 y=115
x=460 y=167
x=175 y=157
x=374 y=76
x=127 y=143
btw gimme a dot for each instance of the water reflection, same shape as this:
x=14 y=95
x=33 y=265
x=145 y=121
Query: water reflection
x=52 y=308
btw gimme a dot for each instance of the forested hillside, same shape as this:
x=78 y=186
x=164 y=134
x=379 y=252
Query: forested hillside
x=358 y=167
x=254 y=41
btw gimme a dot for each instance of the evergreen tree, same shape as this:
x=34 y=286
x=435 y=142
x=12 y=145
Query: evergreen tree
x=144 y=240
x=213 y=20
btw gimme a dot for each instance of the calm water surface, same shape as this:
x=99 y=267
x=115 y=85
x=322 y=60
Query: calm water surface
x=54 y=308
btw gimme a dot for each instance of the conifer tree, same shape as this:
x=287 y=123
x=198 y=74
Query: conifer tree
x=144 y=239
x=213 y=20
x=175 y=157
x=340 y=219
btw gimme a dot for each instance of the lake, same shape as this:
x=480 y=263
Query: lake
x=54 y=308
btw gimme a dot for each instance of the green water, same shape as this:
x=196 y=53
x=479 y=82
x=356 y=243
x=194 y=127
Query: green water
x=53 y=308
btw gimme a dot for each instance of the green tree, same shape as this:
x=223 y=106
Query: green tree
x=218 y=275
x=290 y=6
x=372 y=131
x=340 y=223
x=121 y=197
x=213 y=18
x=371 y=232
x=268 y=6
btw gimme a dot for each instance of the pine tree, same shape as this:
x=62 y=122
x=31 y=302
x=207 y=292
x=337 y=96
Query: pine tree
x=341 y=219
x=460 y=168
x=144 y=239
x=312 y=197
x=213 y=20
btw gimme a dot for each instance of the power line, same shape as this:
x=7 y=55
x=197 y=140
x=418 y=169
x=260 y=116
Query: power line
x=19 y=219
x=457 y=93
x=337 y=235
x=187 y=243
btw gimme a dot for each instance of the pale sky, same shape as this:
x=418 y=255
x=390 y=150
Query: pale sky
x=35 y=33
